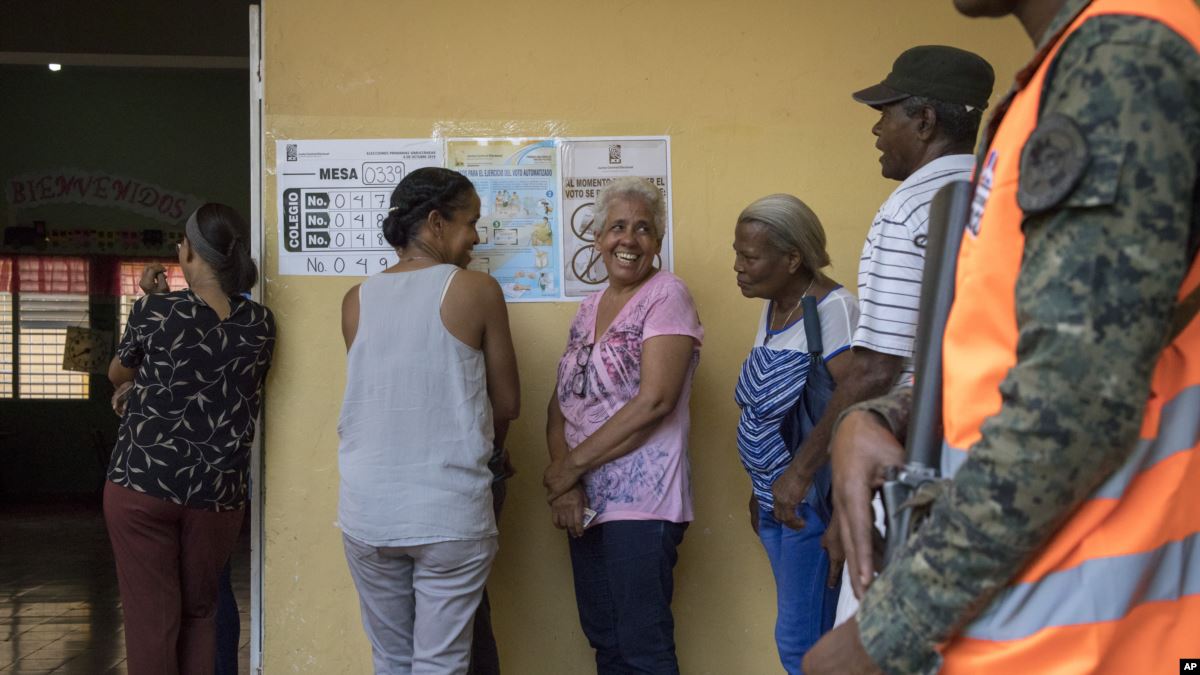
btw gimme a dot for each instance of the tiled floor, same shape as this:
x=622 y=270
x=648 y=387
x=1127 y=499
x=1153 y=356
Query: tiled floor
x=59 y=607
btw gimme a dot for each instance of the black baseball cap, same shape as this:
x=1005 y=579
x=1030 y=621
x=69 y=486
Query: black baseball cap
x=946 y=74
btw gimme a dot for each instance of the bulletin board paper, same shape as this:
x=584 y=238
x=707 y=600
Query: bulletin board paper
x=536 y=235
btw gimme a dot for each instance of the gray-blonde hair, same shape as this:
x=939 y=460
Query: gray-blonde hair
x=636 y=188
x=791 y=226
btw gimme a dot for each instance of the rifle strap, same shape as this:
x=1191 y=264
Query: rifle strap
x=1184 y=312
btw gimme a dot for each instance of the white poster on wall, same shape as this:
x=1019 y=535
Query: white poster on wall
x=537 y=236
x=333 y=196
x=586 y=166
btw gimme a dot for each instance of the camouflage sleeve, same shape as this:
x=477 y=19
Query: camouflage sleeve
x=1098 y=281
x=892 y=407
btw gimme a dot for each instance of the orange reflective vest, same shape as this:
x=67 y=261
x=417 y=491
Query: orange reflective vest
x=1117 y=589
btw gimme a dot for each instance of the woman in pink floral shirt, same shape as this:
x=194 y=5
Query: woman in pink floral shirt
x=618 y=436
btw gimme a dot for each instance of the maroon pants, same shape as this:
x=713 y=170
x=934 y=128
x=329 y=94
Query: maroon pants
x=169 y=559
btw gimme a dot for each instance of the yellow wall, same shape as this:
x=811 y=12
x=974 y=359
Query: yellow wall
x=755 y=97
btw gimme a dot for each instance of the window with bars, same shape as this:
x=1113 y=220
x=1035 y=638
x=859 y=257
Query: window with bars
x=6 y=345
x=130 y=273
x=40 y=297
x=42 y=334
x=39 y=300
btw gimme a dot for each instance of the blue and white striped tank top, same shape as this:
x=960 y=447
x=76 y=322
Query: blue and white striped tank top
x=769 y=386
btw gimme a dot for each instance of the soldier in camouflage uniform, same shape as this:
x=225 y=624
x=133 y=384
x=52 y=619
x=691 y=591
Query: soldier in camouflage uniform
x=1094 y=299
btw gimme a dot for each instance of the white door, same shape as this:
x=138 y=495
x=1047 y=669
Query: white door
x=256 y=250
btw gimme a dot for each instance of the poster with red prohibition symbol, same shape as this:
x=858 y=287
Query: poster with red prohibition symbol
x=586 y=166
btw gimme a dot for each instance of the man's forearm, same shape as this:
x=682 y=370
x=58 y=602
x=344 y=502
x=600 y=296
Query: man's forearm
x=893 y=408
x=814 y=451
x=871 y=375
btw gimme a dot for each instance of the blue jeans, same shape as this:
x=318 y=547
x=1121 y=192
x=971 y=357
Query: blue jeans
x=623 y=587
x=805 y=606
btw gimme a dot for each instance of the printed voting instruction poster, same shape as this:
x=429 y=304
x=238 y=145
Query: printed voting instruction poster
x=519 y=229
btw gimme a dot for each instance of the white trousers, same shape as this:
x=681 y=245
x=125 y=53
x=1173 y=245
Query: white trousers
x=418 y=602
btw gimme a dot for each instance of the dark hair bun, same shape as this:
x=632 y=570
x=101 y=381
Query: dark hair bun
x=225 y=230
x=420 y=193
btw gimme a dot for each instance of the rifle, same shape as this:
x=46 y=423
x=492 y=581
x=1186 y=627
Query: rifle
x=948 y=215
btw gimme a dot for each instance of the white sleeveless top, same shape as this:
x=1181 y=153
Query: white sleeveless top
x=416 y=424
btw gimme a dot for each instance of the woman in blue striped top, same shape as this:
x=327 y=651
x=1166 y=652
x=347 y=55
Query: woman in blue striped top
x=780 y=250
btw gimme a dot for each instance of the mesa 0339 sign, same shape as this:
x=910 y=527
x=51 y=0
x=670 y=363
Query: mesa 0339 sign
x=333 y=197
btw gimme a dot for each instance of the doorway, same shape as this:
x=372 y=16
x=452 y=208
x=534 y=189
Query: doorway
x=150 y=96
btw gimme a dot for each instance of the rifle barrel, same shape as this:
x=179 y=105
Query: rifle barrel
x=947 y=221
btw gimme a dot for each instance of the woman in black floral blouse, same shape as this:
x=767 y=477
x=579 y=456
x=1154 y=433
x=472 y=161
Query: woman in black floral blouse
x=189 y=373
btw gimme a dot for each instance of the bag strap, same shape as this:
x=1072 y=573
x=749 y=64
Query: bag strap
x=812 y=325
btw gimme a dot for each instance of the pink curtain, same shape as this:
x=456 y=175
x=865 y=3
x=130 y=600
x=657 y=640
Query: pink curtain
x=51 y=274
x=129 y=272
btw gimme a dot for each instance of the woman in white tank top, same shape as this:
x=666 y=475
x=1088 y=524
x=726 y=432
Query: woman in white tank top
x=431 y=386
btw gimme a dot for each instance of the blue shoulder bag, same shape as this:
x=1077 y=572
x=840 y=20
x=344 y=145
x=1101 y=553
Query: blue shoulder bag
x=799 y=422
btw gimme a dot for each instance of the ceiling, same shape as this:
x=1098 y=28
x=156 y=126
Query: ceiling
x=173 y=28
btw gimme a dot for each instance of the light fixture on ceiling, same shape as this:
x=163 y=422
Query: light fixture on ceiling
x=56 y=67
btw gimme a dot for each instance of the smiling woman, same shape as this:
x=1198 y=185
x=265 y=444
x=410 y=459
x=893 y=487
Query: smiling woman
x=618 y=436
x=632 y=214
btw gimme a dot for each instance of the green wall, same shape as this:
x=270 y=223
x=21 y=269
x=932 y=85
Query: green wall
x=186 y=131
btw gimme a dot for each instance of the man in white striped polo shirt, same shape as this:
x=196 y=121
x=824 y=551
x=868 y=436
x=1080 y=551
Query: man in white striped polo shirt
x=926 y=135
x=930 y=107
